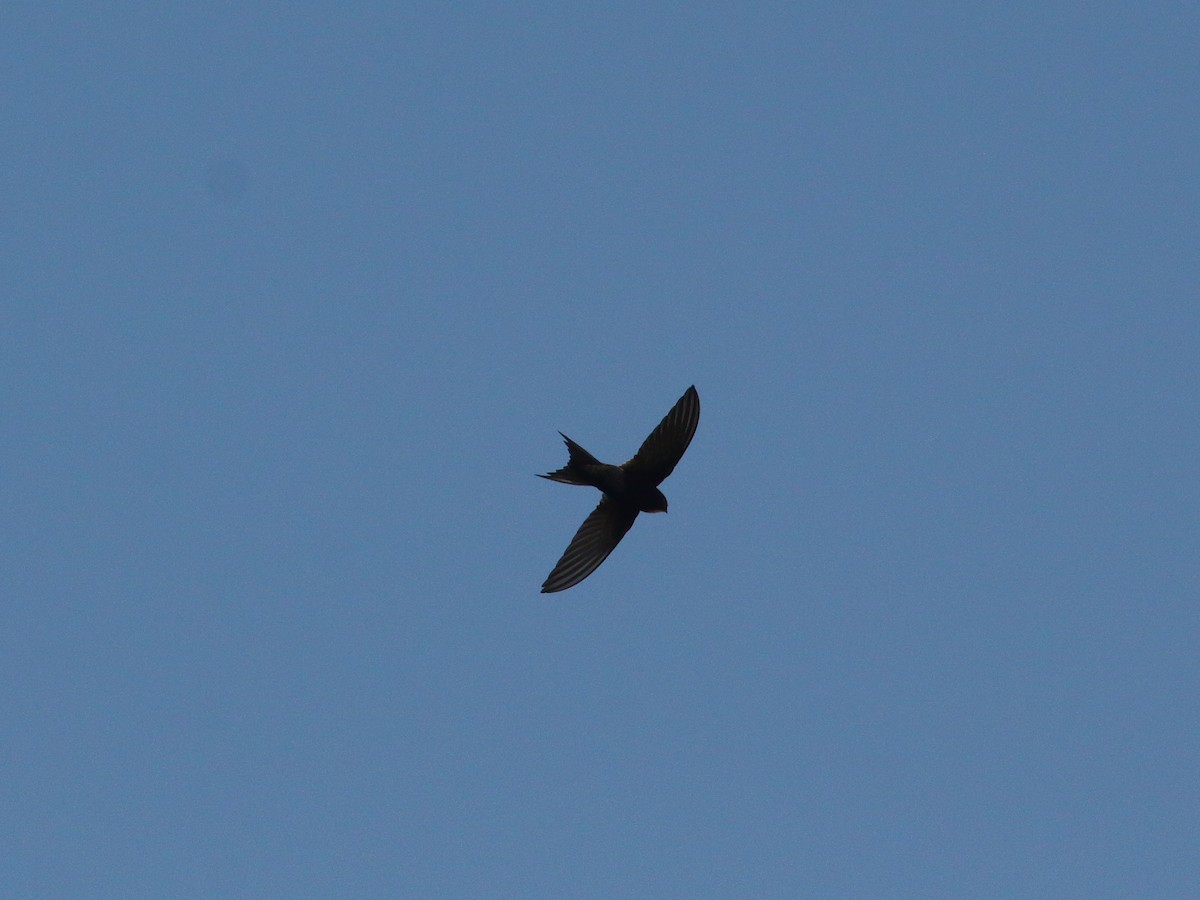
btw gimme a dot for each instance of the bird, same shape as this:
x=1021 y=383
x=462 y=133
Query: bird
x=628 y=489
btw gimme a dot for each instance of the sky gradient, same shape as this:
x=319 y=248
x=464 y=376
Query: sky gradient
x=294 y=306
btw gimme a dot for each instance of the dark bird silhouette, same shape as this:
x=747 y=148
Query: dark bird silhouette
x=628 y=489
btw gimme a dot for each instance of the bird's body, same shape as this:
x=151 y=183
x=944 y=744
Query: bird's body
x=613 y=481
x=628 y=489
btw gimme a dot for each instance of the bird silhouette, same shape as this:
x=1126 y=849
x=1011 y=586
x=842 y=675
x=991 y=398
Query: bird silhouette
x=628 y=489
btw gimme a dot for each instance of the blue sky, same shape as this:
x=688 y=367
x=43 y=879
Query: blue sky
x=294 y=304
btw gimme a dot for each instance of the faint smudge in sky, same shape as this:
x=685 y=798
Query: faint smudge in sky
x=226 y=179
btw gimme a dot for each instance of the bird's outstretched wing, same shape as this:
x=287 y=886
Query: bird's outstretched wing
x=595 y=539
x=659 y=453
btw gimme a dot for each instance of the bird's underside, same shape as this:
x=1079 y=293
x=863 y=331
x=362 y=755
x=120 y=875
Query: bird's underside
x=627 y=490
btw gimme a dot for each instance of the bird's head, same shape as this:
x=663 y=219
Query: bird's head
x=656 y=502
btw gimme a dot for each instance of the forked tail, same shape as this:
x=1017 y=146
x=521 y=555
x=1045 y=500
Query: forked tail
x=572 y=472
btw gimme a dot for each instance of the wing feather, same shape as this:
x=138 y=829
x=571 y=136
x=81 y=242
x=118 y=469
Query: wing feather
x=662 y=450
x=596 y=538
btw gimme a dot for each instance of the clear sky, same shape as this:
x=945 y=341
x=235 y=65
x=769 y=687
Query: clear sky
x=295 y=300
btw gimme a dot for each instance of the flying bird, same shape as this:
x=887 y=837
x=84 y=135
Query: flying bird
x=628 y=489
